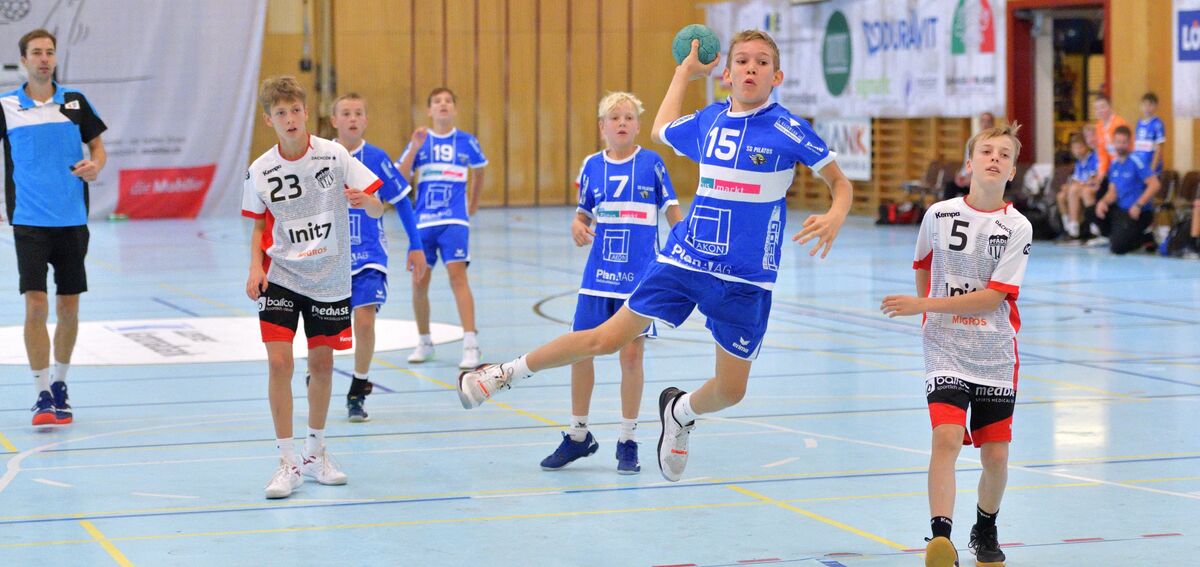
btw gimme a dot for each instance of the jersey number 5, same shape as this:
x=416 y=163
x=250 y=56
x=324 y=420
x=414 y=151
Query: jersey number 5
x=961 y=236
x=277 y=187
x=724 y=141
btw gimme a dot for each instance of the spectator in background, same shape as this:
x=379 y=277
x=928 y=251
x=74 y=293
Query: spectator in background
x=1107 y=123
x=1150 y=134
x=1128 y=207
x=1080 y=190
x=958 y=186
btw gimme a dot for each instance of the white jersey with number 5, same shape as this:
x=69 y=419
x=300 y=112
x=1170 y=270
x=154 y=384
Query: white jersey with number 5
x=307 y=237
x=967 y=250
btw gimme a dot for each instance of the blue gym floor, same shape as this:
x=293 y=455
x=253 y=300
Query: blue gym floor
x=823 y=464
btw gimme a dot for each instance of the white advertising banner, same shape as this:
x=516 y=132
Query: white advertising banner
x=1185 y=71
x=880 y=58
x=175 y=83
x=851 y=139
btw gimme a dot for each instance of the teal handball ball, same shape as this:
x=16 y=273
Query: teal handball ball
x=709 y=45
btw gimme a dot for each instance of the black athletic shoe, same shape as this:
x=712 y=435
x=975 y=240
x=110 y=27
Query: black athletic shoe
x=986 y=547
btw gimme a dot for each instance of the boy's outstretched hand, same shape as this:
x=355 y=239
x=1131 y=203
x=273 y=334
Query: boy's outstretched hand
x=901 y=305
x=824 y=228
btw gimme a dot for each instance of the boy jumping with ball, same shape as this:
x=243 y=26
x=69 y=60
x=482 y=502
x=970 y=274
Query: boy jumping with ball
x=723 y=259
x=970 y=261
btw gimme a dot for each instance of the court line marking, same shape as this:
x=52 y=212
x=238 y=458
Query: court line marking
x=449 y=386
x=814 y=516
x=781 y=462
x=215 y=303
x=53 y=483
x=8 y=446
x=106 y=543
x=172 y=496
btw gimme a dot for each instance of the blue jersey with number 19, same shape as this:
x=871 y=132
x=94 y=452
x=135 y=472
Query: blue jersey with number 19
x=442 y=166
x=734 y=230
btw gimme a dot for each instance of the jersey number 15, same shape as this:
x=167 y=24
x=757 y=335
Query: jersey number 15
x=724 y=141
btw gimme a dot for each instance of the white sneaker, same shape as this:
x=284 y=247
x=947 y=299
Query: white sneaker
x=673 y=441
x=470 y=358
x=478 y=385
x=1098 y=242
x=423 y=353
x=287 y=478
x=322 y=468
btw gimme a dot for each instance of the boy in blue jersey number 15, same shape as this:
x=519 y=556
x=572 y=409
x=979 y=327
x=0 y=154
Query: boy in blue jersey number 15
x=445 y=160
x=724 y=257
x=621 y=190
x=368 y=244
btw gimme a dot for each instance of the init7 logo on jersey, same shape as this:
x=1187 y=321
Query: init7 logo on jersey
x=310 y=237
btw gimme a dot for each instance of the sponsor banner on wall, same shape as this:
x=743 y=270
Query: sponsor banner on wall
x=1185 y=70
x=174 y=81
x=851 y=139
x=880 y=58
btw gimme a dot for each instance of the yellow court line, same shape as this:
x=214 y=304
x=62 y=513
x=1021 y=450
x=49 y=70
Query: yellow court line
x=106 y=543
x=8 y=446
x=817 y=517
x=449 y=386
x=213 y=302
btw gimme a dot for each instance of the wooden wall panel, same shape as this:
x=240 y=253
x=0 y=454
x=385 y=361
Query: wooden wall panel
x=384 y=80
x=490 y=99
x=428 y=55
x=551 y=77
x=522 y=110
x=583 y=86
x=461 y=43
x=615 y=52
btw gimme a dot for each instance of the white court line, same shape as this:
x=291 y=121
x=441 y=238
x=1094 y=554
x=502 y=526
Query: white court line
x=781 y=462
x=49 y=482
x=977 y=461
x=156 y=495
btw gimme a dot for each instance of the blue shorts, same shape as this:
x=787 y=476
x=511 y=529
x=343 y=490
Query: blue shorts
x=368 y=287
x=449 y=239
x=592 y=310
x=737 y=312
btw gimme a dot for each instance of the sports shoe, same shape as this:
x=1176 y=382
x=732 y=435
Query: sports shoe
x=673 y=441
x=939 y=552
x=627 y=457
x=570 y=451
x=354 y=409
x=286 y=479
x=423 y=353
x=986 y=546
x=43 y=409
x=470 y=358
x=478 y=385
x=62 y=409
x=1098 y=242
x=322 y=468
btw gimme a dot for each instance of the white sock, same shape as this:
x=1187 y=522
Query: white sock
x=579 y=428
x=628 y=429
x=1066 y=219
x=358 y=376
x=287 y=450
x=314 y=442
x=1073 y=229
x=60 y=371
x=520 y=368
x=426 y=340
x=470 y=340
x=683 y=411
x=41 y=379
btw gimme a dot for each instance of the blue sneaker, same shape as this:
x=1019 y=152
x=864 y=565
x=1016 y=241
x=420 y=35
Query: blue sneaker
x=354 y=407
x=43 y=410
x=62 y=409
x=627 y=457
x=569 y=451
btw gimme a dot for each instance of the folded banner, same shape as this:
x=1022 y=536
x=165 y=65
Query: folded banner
x=175 y=83
x=880 y=58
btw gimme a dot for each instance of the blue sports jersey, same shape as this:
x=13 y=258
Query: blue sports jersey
x=1150 y=133
x=624 y=198
x=1085 y=168
x=1128 y=178
x=734 y=230
x=442 y=166
x=368 y=241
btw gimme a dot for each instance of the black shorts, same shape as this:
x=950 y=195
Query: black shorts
x=62 y=247
x=991 y=408
x=325 y=324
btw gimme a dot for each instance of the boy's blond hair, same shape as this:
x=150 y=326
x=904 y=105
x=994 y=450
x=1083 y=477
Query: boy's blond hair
x=1009 y=130
x=348 y=96
x=751 y=35
x=611 y=100
x=278 y=89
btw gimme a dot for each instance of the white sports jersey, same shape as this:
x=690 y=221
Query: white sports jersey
x=968 y=250
x=307 y=237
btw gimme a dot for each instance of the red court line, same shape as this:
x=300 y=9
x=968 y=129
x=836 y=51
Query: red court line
x=1013 y=544
x=1161 y=535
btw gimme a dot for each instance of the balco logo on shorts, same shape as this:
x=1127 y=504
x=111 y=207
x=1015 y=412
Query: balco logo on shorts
x=265 y=303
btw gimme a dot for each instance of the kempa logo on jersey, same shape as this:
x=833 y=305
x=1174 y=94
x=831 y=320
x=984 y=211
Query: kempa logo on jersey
x=265 y=303
x=610 y=214
x=729 y=186
x=614 y=277
x=272 y=170
x=325 y=178
x=1189 y=35
x=947 y=215
x=343 y=311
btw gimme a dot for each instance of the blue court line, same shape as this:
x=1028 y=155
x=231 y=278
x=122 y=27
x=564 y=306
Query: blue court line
x=1115 y=370
x=175 y=307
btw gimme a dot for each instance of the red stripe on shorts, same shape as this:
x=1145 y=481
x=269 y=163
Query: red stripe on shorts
x=272 y=332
